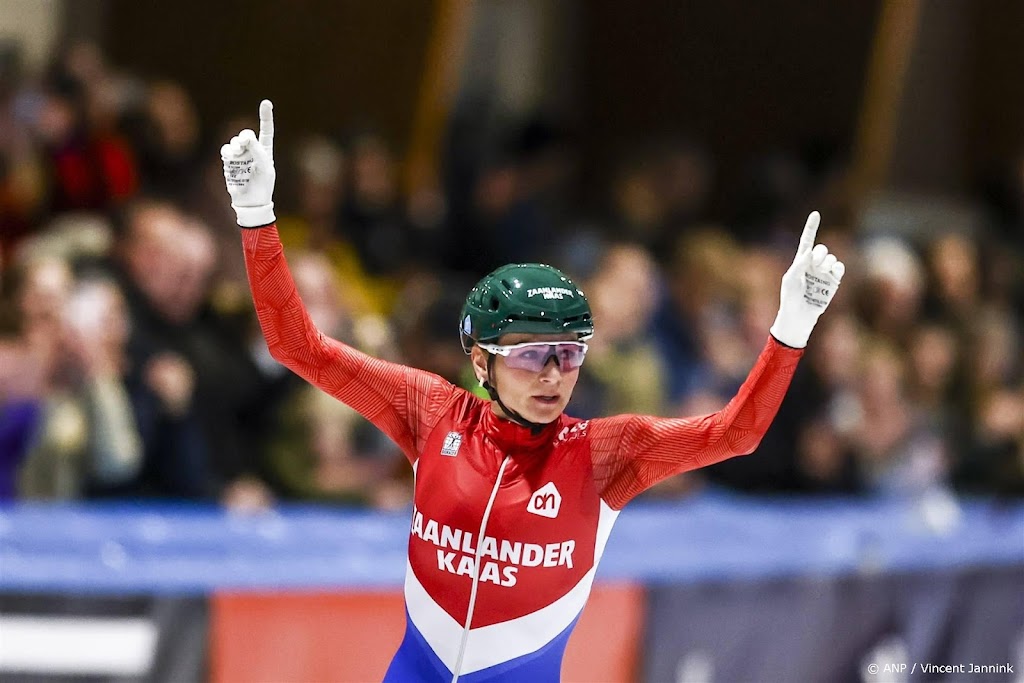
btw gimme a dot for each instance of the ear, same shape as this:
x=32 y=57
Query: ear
x=479 y=359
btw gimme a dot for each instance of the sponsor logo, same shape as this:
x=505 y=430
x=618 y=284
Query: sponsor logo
x=545 y=501
x=500 y=559
x=452 y=444
x=576 y=431
x=550 y=292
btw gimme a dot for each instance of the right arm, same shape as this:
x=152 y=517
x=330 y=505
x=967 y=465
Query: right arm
x=402 y=402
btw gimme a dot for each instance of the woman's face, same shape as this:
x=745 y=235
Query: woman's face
x=538 y=396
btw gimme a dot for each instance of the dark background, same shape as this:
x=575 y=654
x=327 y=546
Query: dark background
x=743 y=77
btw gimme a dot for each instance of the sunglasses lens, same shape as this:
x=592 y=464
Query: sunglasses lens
x=570 y=356
x=535 y=357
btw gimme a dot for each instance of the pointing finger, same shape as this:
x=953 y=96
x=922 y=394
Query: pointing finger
x=267 y=126
x=809 y=234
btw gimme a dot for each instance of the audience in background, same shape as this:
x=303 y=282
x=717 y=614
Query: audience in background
x=315 y=447
x=88 y=441
x=624 y=372
x=131 y=365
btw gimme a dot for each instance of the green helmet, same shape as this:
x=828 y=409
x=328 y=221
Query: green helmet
x=525 y=297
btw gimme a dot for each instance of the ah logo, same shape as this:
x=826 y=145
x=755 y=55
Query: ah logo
x=452 y=444
x=545 y=501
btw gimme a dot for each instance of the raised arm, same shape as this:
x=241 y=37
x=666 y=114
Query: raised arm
x=632 y=453
x=403 y=402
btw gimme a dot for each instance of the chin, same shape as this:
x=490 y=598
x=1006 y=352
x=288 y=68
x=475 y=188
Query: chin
x=546 y=416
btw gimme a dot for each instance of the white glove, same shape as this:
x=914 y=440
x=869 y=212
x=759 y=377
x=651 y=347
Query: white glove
x=807 y=288
x=249 y=171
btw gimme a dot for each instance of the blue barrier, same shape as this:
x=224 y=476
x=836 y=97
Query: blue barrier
x=178 y=548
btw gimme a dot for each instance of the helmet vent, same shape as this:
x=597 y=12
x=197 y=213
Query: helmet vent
x=494 y=303
x=528 y=318
x=508 y=285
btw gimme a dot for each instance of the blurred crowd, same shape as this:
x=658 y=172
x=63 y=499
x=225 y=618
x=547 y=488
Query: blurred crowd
x=131 y=364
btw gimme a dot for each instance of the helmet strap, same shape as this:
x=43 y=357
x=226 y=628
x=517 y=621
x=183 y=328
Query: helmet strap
x=492 y=391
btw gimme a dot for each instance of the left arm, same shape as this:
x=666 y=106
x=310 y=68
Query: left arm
x=631 y=453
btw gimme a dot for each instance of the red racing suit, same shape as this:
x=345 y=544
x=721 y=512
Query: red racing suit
x=508 y=526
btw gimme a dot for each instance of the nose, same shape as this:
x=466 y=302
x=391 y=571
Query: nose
x=551 y=371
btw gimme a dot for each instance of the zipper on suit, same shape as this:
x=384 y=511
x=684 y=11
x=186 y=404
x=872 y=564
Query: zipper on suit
x=476 y=571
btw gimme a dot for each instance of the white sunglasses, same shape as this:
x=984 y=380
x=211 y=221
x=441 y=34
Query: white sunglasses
x=533 y=356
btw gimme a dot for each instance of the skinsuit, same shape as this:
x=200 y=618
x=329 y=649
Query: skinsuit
x=510 y=516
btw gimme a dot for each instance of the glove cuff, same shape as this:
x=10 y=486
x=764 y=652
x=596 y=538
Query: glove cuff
x=255 y=216
x=789 y=334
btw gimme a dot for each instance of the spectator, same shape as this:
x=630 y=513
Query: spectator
x=699 y=283
x=639 y=208
x=685 y=183
x=168 y=141
x=430 y=312
x=928 y=323
x=625 y=372
x=372 y=218
x=818 y=424
x=309 y=221
x=88 y=168
x=194 y=379
x=992 y=461
x=88 y=443
x=956 y=282
x=892 y=290
x=317 y=448
x=937 y=377
x=22 y=187
x=897 y=450
x=30 y=360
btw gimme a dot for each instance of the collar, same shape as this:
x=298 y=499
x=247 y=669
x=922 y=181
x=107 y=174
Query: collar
x=515 y=438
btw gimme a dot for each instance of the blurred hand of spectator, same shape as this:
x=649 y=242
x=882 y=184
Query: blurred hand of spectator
x=172 y=379
x=247 y=495
x=46 y=284
x=97 y=329
x=1002 y=417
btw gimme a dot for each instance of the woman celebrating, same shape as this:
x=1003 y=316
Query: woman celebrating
x=514 y=501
